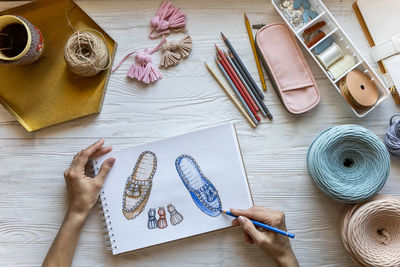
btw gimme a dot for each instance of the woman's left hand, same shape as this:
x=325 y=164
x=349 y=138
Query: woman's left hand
x=84 y=191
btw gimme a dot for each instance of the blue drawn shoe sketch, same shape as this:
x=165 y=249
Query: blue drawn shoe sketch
x=152 y=223
x=203 y=192
x=138 y=185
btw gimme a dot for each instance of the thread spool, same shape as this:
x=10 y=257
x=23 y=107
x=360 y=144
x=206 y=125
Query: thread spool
x=371 y=232
x=86 y=54
x=321 y=47
x=341 y=66
x=348 y=163
x=330 y=55
x=358 y=89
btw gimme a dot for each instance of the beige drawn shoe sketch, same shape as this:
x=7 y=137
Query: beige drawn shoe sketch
x=138 y=185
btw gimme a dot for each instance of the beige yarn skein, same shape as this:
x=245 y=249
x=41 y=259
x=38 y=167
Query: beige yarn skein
x=86 y=54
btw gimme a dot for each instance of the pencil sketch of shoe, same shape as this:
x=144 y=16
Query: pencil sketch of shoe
x=162 y=222
x=152 y=223
x=176 y=217
x=203 y=192
x=138 y=185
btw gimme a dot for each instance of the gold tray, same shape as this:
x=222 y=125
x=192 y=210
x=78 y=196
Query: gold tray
x=46 y=93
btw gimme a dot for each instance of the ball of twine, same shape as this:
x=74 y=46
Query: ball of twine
x=348 y=163
x=86 y=54
x=392 y=136
x=371 y=232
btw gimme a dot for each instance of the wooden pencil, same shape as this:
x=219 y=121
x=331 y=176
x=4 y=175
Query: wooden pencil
x=231 y=96
x=263 y=225
x=239 y=74
x=251 y=38
x=229 y=80
x=242 y=65
x=262 y=106
x=245 y=97
x=234 y=77
x=243 y=93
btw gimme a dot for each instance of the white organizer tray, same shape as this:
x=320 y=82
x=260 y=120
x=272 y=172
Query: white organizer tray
x=332 y=28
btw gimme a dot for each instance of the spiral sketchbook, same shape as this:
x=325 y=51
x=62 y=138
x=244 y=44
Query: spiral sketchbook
x=173 y=188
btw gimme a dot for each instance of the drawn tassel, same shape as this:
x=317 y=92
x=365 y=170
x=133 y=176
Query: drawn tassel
x=162 y=222
x=143 y=70
x=167 y=19
x=176 y=217
x=152 y=223
x=174 y=51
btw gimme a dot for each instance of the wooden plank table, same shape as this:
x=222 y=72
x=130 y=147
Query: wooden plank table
x=33 y=197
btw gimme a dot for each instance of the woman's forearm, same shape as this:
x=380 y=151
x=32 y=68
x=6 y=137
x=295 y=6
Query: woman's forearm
x=62 y=250
x=287 y=260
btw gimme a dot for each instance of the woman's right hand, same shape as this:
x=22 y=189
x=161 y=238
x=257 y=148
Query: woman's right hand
x=275 y=245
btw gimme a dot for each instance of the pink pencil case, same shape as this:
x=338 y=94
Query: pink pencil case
x=287 y=68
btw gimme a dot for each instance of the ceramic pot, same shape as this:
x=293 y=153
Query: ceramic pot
x=21 y=42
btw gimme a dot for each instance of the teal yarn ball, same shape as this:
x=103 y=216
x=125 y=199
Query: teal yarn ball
x=348 y=163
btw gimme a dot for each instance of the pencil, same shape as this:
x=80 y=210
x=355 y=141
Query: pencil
x=265 y=226
x=255 y=99
x=245 y=97
x=262 y=106
x=235 y=78
x=236 y=91
x=242 y=65
x=251 y=38
x=231 y=96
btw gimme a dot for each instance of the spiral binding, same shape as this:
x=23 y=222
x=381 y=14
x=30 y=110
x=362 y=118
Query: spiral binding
x=103 y=209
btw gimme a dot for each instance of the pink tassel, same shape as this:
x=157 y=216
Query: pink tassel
x=143 y=70
x=168 y=18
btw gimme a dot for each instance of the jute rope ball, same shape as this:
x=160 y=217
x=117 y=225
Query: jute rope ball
x=371 y=232
x=348 y=163
x=86 y=54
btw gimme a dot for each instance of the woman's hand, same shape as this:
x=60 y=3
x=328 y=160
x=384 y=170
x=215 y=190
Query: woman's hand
x=84 y=191
x=275 y=245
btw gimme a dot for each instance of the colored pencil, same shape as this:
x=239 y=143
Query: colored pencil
x=262 y=106
x=245 y=97
x=231 y=97
x=238 y=73
x=265 y=226
x=228 y=79
x=251 y=38
x=242 y=65
x=239 y=86
x=236 y=79
x=242 y=72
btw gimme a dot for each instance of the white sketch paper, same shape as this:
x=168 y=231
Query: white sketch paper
x=217 y=154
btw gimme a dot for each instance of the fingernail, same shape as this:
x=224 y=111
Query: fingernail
x=241 y=220
x=111 y=161
x=233 y=210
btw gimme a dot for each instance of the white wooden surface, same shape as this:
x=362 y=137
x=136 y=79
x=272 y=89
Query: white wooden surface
x=33 y=195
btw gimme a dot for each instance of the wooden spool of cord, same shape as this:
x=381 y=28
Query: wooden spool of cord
x=359 y=90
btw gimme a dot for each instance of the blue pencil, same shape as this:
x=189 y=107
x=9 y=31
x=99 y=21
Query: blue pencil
x=273 y=229
x=236 y=92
